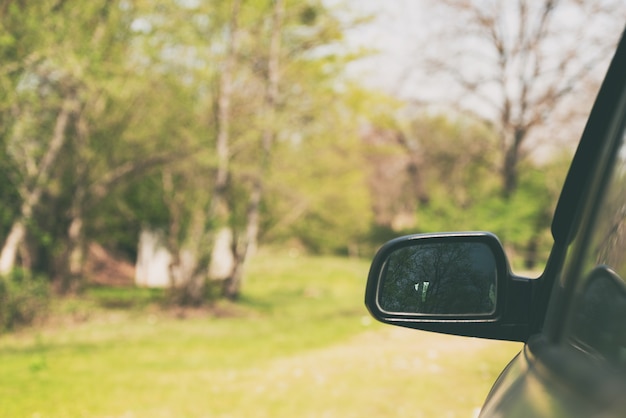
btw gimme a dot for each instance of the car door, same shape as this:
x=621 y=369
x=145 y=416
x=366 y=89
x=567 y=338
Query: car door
x=576 y=364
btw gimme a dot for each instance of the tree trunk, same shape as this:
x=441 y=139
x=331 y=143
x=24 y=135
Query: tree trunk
x=248 y=247
x=532 y=253
x=222 y=262
x=75 y=253
x=75 y=233
x=76 y=256
x=9 y=250
x=222 y=255
x=509 y=173
x=512 y=158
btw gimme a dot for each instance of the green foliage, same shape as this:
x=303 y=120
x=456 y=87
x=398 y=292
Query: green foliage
x=323 y=203
x=318 y=191
x=23 y=299
x=521 y=221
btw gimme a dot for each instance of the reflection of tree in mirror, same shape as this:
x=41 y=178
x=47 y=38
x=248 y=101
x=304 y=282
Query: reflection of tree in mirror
x=456 y=278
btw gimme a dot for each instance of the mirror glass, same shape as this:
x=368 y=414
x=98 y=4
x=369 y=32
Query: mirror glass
x=451 y=278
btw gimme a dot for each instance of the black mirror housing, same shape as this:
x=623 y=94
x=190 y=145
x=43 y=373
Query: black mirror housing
x=452 y=283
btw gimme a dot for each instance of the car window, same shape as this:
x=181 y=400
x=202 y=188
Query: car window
x=598 y=323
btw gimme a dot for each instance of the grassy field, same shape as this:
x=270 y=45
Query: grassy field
x=299 y=345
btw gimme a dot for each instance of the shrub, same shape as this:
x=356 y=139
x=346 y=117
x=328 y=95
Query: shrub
x=24 y=298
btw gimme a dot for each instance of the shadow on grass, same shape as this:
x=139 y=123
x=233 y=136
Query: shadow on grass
x=125 y=297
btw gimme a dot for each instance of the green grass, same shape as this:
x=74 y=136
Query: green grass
x=300 y=344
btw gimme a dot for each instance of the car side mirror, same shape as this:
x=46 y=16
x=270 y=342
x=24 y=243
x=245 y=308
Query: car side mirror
x=455 y=283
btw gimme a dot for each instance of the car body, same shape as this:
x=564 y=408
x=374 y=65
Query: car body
x=571 y=319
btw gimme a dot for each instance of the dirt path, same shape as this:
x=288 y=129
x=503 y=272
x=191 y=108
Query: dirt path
x=388 y=372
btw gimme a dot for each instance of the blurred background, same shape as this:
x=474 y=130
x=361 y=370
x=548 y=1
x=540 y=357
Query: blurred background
x=190 y=192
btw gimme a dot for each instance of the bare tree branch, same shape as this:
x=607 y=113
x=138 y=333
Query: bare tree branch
x=518 y=63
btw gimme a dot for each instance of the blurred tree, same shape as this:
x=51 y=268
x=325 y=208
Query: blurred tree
x=318 y=195
x=516 y=64
x=268 y=132
x=41 y=98
x=457 y=157
x=264 y=74
x=223 y=263
x=395 y=178
x=425 y=160
x=304 y=112
x=75 y=82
